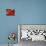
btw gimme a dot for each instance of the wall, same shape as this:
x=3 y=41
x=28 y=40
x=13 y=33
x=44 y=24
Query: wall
x=27 y=12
